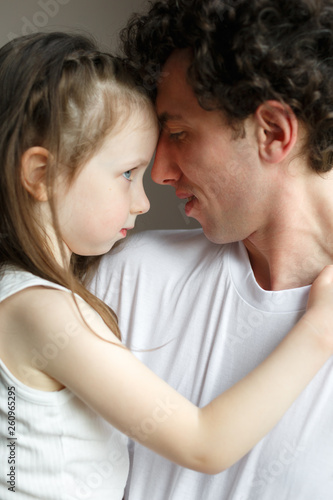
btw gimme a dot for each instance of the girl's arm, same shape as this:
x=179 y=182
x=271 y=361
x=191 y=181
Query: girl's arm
x=109 y=379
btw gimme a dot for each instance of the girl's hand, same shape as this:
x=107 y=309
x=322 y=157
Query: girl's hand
x=319 y=313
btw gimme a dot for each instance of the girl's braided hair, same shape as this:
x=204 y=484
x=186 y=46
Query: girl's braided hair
x=60 y=92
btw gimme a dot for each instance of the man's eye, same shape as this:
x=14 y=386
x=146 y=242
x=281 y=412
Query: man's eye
x=128 y=174
x=177 y=136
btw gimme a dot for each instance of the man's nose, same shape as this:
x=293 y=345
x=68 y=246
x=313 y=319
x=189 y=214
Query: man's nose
x=165 y=169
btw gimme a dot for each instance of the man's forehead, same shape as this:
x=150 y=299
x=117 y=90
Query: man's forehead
x=180 y=57
x=174 y=70
x=173 y=90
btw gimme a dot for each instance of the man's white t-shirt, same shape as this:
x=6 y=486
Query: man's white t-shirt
x=200 y=301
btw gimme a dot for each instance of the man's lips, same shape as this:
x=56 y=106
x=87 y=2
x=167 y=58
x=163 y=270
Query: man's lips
x=191 y=200
x=183 y=195
x=190 y=205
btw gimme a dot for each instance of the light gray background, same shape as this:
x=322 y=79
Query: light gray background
x=104 y=19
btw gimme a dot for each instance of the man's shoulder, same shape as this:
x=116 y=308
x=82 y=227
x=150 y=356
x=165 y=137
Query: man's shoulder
x=159 y=256
x=162 y=237
x=164 y=245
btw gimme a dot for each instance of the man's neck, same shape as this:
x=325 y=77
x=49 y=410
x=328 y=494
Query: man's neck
x=279 y=270
x=297 y=242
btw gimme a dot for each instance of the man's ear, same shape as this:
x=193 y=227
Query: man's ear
x=278 y=129
x=33 y=172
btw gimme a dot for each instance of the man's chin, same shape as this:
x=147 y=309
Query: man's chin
x=216 y=236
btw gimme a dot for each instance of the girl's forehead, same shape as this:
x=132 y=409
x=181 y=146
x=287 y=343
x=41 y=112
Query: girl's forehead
x=146 y=111
x=138 y=124
x=141 y=116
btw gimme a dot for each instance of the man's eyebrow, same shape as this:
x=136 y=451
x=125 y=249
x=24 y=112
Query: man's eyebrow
x=165 y=117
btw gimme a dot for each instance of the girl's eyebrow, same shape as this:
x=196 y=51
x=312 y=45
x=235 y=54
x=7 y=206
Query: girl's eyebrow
x=137 y=164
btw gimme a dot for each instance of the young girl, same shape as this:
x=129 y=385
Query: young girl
x=76 y=137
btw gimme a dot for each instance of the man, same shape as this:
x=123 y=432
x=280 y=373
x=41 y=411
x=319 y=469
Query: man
x=243 y=91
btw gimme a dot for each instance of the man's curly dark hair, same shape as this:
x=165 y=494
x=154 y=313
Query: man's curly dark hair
x=244 y=53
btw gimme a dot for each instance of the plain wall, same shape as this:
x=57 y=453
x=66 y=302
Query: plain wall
x=104 y=19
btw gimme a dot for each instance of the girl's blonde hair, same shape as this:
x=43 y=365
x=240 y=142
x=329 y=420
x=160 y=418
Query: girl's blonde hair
x=57 y=91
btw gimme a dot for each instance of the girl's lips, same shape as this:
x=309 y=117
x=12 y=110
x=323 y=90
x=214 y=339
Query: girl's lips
x=124 y=231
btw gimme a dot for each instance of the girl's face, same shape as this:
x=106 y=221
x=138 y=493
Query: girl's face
x=105 y=198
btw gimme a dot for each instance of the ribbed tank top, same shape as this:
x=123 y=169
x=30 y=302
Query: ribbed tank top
x=60 y=449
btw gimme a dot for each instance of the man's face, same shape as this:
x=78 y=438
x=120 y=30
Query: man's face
x=201 y=156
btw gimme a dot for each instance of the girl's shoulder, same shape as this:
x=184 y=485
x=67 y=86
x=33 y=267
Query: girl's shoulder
x=14 y=280
x=37 y=318
x=26 y=330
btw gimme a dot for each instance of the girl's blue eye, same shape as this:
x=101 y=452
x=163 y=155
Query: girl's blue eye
x=128 y=175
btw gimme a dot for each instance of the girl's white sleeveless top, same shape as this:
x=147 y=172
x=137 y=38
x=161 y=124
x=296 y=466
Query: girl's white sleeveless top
x=53 y=447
